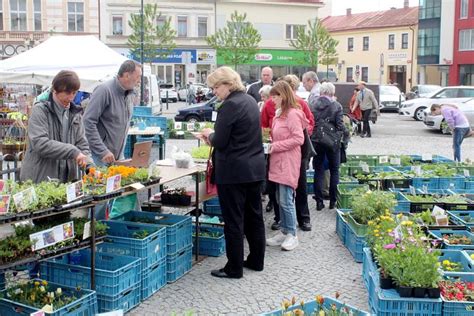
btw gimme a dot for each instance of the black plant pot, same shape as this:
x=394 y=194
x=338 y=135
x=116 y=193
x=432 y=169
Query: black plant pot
x=419 y=292
x=386 y=283
x=434 y=292
x=405 y=291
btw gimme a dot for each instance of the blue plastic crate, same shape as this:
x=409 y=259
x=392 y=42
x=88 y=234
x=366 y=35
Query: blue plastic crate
x=457 y=256
x=389 y=303
x=429 y=183
x=113 y=274
x=178 y=264
x=84 y=306
x=341 y=224
x=142 y=110
x=368 y=266
x=178 y=227
x=355 y=244
x=469 y=183
x=125 y=301
x=439 y=234
x=456 y=182
x=127 y=152
x=154 y=121
x=121 y=240
x=153 y=279
x=458 y=217
x=212 y=207
x=459 y=308
x=210 y=246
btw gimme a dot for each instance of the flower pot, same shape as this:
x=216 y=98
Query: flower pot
x=434 y=292
x=405 y=291
x=419 y=292
x=386 y=283
x=174 y=199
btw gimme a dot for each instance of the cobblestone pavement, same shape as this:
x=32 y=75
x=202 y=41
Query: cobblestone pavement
x=320 y=265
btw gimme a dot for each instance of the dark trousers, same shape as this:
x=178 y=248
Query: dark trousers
x=241 y=207
x=271 y=189
x=301 y=201
x=365 y=121
x=334 y=158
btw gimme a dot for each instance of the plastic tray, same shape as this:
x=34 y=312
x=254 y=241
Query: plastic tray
x=341 y=226
x=153 y=279
x=355 y=244
x=212 y=207
x=439 y=235
x=210 y=246
x=125 y=301
x=178 y=264
x=458 y=217
x=457 y=256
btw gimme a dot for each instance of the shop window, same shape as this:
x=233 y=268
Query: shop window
x=350 y=74
x=182 y=26
x=350 y=44
x=365 y=43
x=202 y=26
x=405 y=41
x=75 y=16
x=117 y=25
x=391 y=41
x=365 y=74
x=37 y=14
x=18 y=15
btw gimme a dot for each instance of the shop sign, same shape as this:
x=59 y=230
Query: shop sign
x=205 y=56
x=397 y=57
x=273 y=57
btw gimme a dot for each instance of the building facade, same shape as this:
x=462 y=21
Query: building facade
x=376 y=47
x=25 y=23
x=462 y=69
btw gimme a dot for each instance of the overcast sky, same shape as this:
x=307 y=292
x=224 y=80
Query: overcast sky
x=339 y=6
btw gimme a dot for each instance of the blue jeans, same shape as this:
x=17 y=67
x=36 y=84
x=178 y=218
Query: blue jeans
x=286 y=198
x=458 y=136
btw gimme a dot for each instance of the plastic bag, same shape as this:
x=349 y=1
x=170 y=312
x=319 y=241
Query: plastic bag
x=181 y=159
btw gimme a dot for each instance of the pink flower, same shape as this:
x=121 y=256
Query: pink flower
x=389 y=246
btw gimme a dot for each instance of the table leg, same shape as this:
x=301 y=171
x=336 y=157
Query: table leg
x=92 y=212
x=198 y=213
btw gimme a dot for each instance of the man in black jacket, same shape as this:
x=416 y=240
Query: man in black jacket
x=266 y=78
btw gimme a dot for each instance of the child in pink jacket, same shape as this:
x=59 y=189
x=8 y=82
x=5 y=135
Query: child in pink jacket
x=285 y=160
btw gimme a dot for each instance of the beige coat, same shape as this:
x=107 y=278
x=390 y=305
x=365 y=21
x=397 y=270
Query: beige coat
x=368 y=102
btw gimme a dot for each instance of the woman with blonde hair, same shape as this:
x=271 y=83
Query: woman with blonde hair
x=239 y=169
x=285 y=160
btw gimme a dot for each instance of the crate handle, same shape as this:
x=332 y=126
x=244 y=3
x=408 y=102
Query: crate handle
x=74 y=270
x=106 y=257
x=130 y=227
x=469 y=266
x=127 y=292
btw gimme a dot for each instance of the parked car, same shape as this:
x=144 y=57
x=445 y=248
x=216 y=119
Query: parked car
x=197 y=113
x=167 y=89
x=437 y=121
x=456 y=94
x=183 y=92
x=422 y=91
x=390 y=97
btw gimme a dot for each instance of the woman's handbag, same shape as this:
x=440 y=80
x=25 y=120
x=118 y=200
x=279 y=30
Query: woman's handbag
x=211 y=188
x=326 y=135
x=307 y=149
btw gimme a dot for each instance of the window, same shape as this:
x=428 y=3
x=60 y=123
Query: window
x=365 y=41
x=464 y=8
x=350 y=74
x=350 y=44
x=429 y=9
x=1 y=16
x=75 y=16
x=466 y=39
x=18 y=15
x=160 y=20
x=428 y=41
x=117 y=25
x=365 y=74
x=405 y=41
x=292 y=31
x=182 y=26
x=202 y=26
x=37 y=14
x=391 y=41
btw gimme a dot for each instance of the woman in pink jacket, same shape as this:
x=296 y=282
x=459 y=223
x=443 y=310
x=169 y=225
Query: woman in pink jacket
x=285 y=160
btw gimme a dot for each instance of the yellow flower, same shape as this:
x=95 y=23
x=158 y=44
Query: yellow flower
x=293 y=300
x=321 y=313
x=44 y=283
x=446 y=262
x=377 y=235
x=399 y=215
x=286 y=304
x=389 y=230
x=376 y=231
x=370 y=223
x=37 y=283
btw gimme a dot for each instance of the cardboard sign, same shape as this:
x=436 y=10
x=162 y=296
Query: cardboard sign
x=74 y=191
x=214 y=116
x=52 y=236
x=4 y=204
x=113 y=183
x=24 y=199
x=426 y=157
x=383 y=159
x=395 y=161
x=178 y=125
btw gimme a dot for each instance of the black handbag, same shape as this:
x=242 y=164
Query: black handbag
x=307 y=149
x=326 y=135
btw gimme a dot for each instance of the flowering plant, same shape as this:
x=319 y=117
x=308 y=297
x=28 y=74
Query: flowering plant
x=457 y=239
x=96 y=179
x=457 y=290
x=447 y=265
x=371 y=204
x=322 y=307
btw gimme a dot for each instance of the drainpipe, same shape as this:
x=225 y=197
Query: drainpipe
x=412 y=29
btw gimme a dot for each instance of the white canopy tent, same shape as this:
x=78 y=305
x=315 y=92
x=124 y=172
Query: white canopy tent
x=92 y=60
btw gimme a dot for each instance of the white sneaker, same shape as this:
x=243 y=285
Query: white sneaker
x=290 y=242
x=276 y=240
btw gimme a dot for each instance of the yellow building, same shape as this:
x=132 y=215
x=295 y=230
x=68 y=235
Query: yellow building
x=376 y=47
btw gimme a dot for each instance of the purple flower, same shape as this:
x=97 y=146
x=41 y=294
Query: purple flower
x=389 y=246
x=397 y=240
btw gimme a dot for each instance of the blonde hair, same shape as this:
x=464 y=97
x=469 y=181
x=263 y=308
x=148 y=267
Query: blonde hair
x=292 y=80
x=288 y=100
x=225 y=75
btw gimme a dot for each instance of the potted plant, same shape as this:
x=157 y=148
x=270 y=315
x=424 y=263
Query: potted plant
x=177 y=196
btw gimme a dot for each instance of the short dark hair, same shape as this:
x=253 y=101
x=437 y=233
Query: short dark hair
x=66 y=81
x=128 y=66
x=434 y=107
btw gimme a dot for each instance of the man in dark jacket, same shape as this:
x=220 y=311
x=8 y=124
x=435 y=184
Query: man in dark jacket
x=266 y=79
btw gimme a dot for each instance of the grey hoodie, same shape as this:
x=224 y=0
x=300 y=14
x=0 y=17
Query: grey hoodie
x=107 y=118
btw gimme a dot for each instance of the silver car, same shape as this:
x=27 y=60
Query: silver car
x=437 y=121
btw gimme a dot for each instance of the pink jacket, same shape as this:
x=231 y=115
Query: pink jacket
x=285 y=152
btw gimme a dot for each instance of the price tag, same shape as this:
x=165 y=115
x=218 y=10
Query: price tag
x=25 y=198
x=395 y=161
x=113 y=183
x=426 y=157
x=4 y=204
x=87 y=230
x=137 y=186
x=466 y=173
x=74 y=191
x=412 y=190
x=190 y=127
x=383 y=159
x=266 y=148
x=214 y=116
x=51 y=236
x=178 y=125
x=438 y=211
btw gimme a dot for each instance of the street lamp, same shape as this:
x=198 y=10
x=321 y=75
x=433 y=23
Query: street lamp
x=142 y=87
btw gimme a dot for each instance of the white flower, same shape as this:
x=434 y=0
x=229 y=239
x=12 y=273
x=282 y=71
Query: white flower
x=59 y=291
x=42 y=289
x=18 y=291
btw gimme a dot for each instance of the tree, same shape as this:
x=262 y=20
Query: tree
x=327 y=49
x=158 y=38
x=237 y=41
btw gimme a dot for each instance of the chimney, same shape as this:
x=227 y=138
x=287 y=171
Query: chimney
x=348 y=11
x=406 y=4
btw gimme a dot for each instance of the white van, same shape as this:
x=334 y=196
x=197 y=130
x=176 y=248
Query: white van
x=152 y=92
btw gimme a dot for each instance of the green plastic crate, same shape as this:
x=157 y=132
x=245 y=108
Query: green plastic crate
x=344 y=193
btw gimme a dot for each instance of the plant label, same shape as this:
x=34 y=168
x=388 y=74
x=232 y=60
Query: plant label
x=426 y=157
x=74 y=191
x=52 y=236
x=266 y=148
x=438 y=211
x=178 y=125
x=214 y=116
x=4 y=204
x=2 y=186
x=442 y=220
x=113 y=183
x=365 y=168
x=38 y=313
x=190 y=127
x=395 y=161
x=416 y=170
x=466 y=173
x=424 y=189
x=383 y=159
x=412 y=190
x=137 y=186
x=25 y=198
x=87 y=230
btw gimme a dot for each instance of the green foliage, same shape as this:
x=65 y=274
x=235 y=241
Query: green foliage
x=201 y=152
x=158 y=40
x=372 y=204
x=237 y=42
